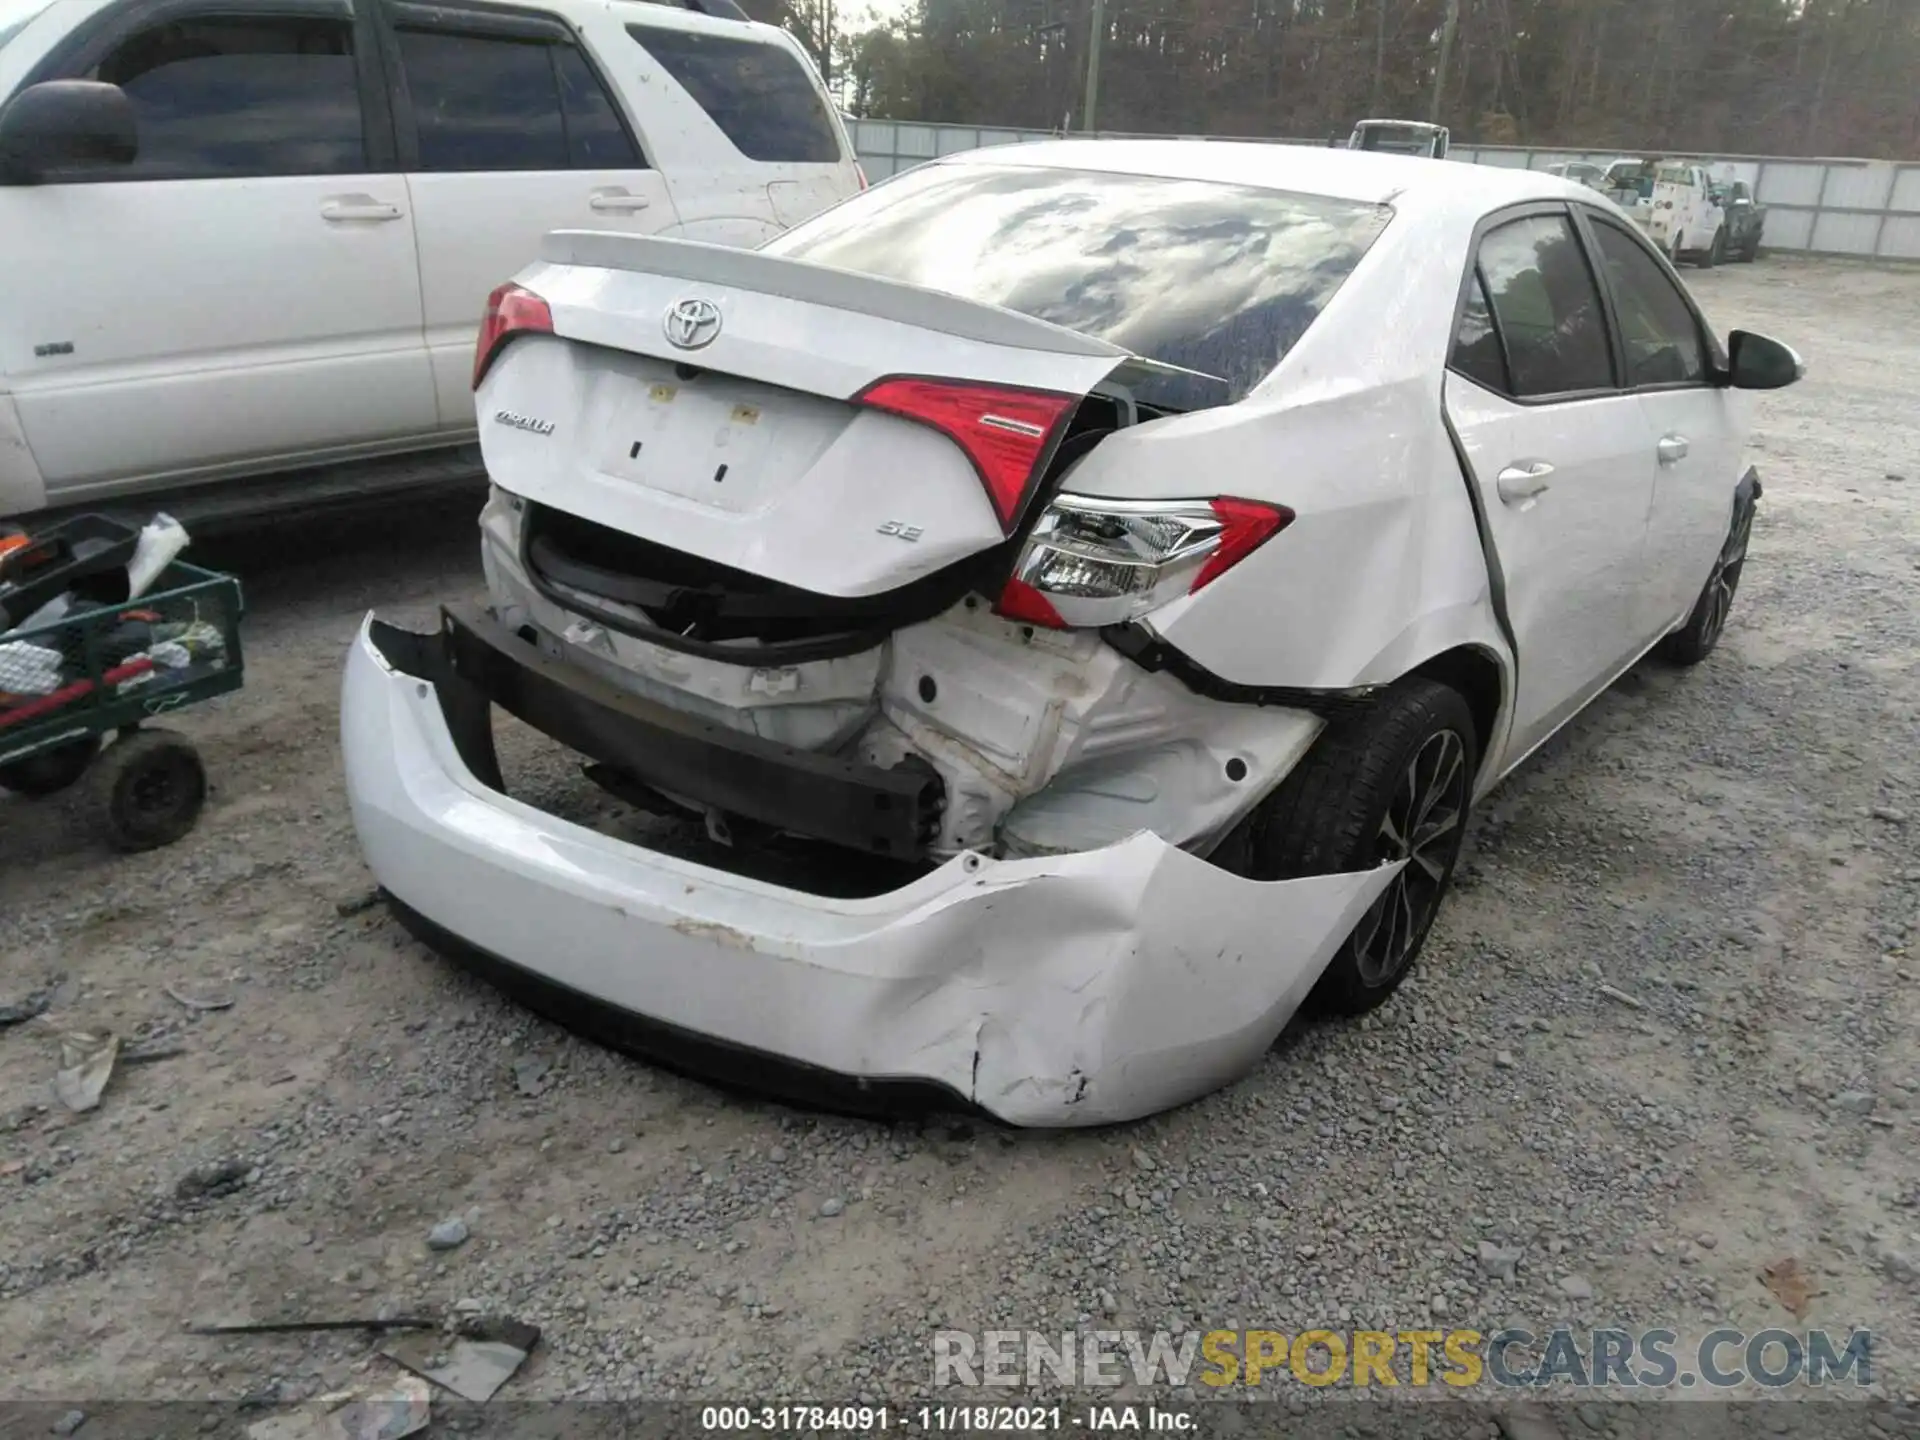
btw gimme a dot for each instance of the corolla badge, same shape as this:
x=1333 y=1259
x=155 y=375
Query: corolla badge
x=523 y=422
x=692 y=324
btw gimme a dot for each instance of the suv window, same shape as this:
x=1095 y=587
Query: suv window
x=758 y=93
x=1661 y=337
x=1546 y=306
x=486 y=102
x=268 y=95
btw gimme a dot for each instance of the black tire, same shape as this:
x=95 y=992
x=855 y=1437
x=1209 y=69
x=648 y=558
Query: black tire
x=1748 y=252
x=1716 y=252
x=1337 y=810
x=1707 y=621
x=51 y=771
x=151 y=786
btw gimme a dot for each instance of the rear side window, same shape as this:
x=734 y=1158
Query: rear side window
x=486 y=102
x=1546 y=306
x=759 y=94
x=223 y=97
x=1220 y=279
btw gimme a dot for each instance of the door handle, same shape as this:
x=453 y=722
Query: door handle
x=358 y=207
x=1520 y=484
x=617 y=201
x=1672 y=448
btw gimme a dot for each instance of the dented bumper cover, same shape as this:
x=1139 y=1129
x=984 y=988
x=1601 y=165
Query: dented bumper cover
x=1070 y=990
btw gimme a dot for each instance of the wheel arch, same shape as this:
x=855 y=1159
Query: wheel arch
x=1483 y=680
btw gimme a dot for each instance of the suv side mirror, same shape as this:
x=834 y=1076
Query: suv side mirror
x=64 y=124
x=1756 y=362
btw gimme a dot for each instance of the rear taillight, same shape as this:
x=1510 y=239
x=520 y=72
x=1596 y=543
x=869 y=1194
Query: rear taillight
x=511 y=310
x=860 y=171
x=1092 y=562
x=1005 y=432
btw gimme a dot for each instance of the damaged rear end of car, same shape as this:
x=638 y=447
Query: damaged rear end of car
x=786 y=548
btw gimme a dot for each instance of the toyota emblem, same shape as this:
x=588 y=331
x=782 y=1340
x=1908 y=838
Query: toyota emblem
x=692 y=324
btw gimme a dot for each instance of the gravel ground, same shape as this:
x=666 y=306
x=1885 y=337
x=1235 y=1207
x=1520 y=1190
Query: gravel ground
x=1730 y=851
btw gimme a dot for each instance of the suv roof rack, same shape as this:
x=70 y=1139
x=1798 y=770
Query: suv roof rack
x=719 y=9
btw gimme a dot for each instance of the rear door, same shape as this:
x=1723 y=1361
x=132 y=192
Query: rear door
x=508 y=128
x=1692 y=427
x=1558 y=453
x=245 y=293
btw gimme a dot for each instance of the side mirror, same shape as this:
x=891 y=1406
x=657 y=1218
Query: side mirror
x=1755 y=362
x=65 y=124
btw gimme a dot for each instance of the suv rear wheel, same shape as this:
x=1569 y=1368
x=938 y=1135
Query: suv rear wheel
x=1394 y=783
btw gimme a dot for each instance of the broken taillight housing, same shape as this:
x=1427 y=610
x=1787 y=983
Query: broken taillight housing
x=1004 y=431
x=1092 y=562
x=511 y=310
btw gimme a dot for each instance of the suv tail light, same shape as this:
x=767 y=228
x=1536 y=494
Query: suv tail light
x=860 y=172
x=1004 y=431
x=511 y=310
x=1092 y=562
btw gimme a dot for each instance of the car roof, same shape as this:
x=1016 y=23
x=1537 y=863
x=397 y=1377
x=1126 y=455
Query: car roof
x=1367 y=176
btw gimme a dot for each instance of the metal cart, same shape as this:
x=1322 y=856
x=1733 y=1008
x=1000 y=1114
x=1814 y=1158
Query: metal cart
x=109 y=669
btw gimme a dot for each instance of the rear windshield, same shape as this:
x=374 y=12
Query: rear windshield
x=1223 y=279
x=757 y=92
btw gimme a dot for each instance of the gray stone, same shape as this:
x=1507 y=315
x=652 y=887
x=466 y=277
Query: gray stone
x=449 y=1234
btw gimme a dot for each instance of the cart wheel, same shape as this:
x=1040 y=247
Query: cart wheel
x=151 y=786
x=51 y=771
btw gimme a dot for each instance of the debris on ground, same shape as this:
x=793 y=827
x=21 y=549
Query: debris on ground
x=357 y=904
x=1632 y=1002
x=69 y=1422
x=1790 y=1285
x=146 y=1052
x=86 y=1064
x=218 y=1177
x=302 y=1327
x=390 y=1411
x=449 y=1234
x=199 y=1003
x=476 y=1365
x=530 y=1074
x=30 y=1006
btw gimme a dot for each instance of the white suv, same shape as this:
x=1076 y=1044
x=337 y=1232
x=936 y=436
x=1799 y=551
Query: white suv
x=250 y=239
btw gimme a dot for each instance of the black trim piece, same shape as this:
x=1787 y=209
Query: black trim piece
x=721 y=1063
x=869 y=619
x=1155 y=655
x=1496 y=575
x=892 y=813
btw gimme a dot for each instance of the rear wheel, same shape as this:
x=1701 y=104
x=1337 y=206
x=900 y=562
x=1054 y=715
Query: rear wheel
x=151 y=787
x=1715 y=252
x=1391 y=784
x=1749 y=251
x=51 y=771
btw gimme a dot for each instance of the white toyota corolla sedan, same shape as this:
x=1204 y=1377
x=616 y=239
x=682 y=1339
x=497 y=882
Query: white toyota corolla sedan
x=1047 y=618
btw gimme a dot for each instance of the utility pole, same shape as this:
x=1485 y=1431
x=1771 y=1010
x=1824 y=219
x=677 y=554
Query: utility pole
x=1097 y=32
x=1446 y=53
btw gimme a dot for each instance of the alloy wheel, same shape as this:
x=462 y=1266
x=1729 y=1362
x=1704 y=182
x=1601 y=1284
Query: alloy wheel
x=1423 y=826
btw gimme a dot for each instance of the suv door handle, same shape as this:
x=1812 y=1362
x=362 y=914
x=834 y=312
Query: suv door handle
x=616 y=201
x=1672 y=448
x=358 y=207
x=1520 y=484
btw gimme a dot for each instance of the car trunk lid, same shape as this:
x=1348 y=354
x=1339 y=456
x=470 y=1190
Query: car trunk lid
x=833 y=432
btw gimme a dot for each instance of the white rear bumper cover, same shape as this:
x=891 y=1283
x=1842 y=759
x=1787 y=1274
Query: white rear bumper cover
x=1071 y=990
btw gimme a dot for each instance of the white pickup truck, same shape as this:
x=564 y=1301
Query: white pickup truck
x=247 y=243
x=1673 y=202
